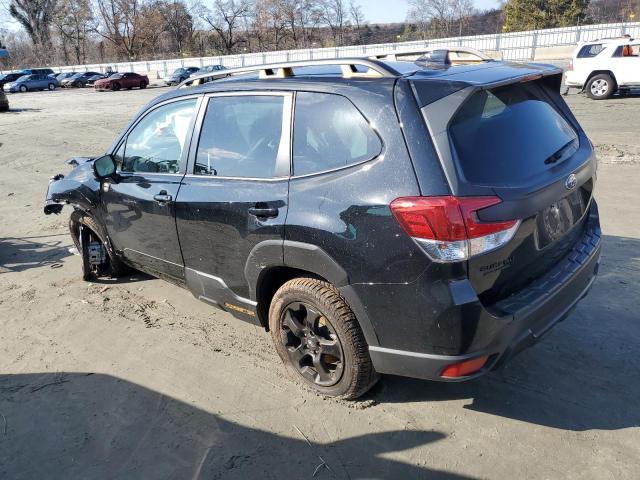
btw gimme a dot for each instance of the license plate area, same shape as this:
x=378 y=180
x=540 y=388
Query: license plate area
x=554 y=222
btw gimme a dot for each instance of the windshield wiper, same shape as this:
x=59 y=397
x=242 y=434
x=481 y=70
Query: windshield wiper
x=553 y=158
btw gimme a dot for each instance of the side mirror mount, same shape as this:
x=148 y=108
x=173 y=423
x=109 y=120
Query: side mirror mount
x=105 y=167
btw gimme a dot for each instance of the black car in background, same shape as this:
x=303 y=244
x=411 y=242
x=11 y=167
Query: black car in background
x=37 y=71
x=425 y=219
x=9 y=78
x=4 y=101
x=180 y=75
x=208 y=69
x=78 y=80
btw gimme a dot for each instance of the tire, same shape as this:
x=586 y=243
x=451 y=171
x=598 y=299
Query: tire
x=601 y=86
x=114 y=267
x=23 y=88
x=51 y=87
x=115 y=87
x=315 y=306
x=143 y=85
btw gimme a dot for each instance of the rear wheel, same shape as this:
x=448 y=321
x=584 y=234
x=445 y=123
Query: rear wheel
x=318 y=338
x=601 y=86
x=143 y=84
x=88 y=234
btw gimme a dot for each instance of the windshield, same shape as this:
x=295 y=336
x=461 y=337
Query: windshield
x=116 y=75
x=509 y=134
x=24 y=78
x=179 y=71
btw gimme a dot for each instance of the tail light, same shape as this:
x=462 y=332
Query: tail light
x=570 y=65
x=448 y=229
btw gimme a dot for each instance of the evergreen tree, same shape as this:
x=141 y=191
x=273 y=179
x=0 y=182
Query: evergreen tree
x=536 y=14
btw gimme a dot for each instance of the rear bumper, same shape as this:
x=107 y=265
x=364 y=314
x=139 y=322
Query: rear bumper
x=518 y=321
x=572 y=79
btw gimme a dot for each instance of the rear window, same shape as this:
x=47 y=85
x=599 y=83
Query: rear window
x=507 y=135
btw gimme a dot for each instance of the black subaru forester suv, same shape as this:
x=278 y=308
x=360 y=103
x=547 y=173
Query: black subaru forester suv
x=412 y=218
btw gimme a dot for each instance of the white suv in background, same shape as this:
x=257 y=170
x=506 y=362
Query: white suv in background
x=603 y=67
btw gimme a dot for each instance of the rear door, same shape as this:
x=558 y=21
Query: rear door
x=626 y=64
x=519 y=142
x=235 y=194
x=139 y=208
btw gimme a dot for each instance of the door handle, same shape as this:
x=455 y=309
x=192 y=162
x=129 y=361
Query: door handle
x=162 y=197
x=264 y=212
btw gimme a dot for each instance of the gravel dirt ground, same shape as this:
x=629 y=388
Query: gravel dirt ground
x=137 y=379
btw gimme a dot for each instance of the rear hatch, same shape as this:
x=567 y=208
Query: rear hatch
x=517 y=140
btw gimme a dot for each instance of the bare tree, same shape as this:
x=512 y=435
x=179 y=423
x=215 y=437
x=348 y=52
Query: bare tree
x=73 y=23
x=357 y=17
x=463 y=11
x=335 y=15
x=225 y=19
x=119 y=21
x=36 y=17
x=178 y=23
x=270 y=20
x=433 y=17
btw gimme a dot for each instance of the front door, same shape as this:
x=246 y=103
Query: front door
x=235 y=193
x=139 y=208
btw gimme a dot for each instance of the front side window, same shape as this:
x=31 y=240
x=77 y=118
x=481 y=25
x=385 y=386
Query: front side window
x=241 y=136
x=329 y=132
x=157 y=142
x=590 y=51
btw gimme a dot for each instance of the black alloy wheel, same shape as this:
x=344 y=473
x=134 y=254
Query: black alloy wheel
x=312 y=344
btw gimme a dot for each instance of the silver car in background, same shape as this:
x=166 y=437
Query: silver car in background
x=36 y=81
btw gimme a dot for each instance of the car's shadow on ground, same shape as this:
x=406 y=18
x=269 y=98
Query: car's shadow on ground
x=19 y=254
x=583 y=375
x=93 y=426
x=21 y=110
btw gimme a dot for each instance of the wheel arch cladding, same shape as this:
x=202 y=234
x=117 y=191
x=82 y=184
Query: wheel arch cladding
x=601 y=72
x=273 y=263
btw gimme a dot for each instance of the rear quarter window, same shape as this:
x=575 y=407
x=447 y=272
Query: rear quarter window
x=507 y=135
x=330 y=132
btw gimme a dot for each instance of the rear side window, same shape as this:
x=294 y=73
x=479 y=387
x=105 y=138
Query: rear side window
x=329 y=132
x=507 y=135
x=240 y=137
x=589 y=51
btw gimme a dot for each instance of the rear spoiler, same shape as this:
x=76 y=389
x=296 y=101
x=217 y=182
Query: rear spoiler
x=428 y=89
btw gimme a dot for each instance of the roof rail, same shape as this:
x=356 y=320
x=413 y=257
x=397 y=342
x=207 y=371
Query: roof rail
x=440 y=54
x=622 y=37
x=349 y=67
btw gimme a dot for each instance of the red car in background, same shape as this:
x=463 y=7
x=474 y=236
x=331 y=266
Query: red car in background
x=117 y=81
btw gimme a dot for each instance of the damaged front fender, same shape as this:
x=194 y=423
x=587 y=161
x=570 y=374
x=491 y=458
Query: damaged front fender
x=79 y=188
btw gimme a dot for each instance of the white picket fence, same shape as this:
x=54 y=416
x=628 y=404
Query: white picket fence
x=513 y=46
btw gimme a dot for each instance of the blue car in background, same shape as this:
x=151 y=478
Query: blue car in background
x=36 y=81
